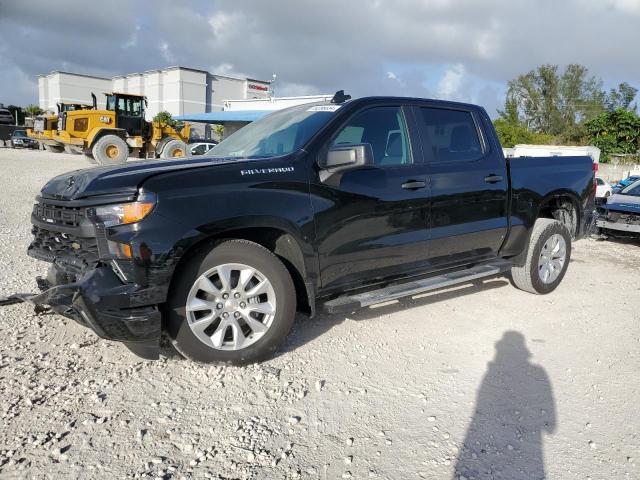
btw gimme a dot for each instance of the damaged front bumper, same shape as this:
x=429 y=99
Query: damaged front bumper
x=621 y=227
x=100 y=301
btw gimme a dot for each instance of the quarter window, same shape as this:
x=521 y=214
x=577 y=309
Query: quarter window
x=451 y=135
x=385 y=129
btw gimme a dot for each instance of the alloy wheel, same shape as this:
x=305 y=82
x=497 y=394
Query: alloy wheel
x=552 y=258
x=231 y=306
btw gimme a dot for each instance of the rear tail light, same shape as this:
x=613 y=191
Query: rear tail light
x=594 y=169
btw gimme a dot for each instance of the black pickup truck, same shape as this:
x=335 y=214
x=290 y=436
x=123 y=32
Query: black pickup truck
x=335 y=205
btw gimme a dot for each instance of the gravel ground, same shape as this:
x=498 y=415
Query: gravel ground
x=482 y=381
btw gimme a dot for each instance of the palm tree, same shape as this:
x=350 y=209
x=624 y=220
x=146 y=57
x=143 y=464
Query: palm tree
x=33 y=110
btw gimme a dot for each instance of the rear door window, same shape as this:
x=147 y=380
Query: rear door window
x=451 y=135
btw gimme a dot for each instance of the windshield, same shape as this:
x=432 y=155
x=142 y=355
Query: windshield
x=280 y=133
x=633 y=189
x=20 y=133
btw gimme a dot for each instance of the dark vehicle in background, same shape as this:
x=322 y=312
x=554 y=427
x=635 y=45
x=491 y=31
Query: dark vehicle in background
x=19 y=139
x=620 y=216
x=6 y=118
x=624 y=183
x=337 y=206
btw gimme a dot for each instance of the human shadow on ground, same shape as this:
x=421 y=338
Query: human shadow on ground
x=514 y=407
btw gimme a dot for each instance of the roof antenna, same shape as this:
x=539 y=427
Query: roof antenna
x=340 y=97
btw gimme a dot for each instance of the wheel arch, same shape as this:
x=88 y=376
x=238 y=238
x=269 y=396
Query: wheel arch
x=280 y=241
x=564 y=206
x=98 y=133
x=561 y=205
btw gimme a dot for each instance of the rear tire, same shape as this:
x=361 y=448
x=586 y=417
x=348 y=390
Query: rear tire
x=547 y=259
x=110 y=150
x=199 y=284
x=174 y=149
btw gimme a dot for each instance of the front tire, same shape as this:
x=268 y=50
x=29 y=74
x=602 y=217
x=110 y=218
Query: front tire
x=547 y=258
x=233 y=304
x=110 y=150
x=174 y=149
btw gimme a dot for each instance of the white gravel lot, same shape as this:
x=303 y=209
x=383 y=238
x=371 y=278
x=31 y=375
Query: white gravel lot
x=477 y=382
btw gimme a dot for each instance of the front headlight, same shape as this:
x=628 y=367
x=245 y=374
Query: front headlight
x=125 y=213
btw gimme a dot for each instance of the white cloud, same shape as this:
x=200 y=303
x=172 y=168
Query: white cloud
x=166 y=52
x=133 y=39
x=386 y=47
x=450 y=85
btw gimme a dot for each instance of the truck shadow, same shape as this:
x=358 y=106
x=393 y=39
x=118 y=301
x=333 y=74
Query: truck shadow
x=514 y=407
x=306 y=330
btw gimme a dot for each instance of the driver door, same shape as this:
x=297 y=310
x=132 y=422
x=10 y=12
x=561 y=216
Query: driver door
x=371 y=223
x=129 y=115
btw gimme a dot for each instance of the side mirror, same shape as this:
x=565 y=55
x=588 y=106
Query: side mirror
x=347 y=157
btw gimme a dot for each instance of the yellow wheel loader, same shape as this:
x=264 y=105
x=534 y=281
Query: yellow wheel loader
x=44 y=126
x=110 y=136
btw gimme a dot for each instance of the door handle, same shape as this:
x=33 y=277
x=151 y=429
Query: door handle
x=414 y=185
x=493 y=178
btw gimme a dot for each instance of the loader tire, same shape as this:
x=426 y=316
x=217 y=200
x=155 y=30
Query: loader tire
x=110 y=150
x=174 y=149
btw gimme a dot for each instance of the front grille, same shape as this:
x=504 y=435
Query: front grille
x=56 y=215
x=74 y=253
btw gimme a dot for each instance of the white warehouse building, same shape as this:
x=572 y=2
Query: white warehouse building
x=178 y=90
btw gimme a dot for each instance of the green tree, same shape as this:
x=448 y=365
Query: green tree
x=219 y=131
x=551 y=102
x=614 y=132
x=33 y=110
x=621 y=97
x=511 y=134
x=164 y=118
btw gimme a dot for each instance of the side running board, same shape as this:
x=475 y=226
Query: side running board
x=349 y=303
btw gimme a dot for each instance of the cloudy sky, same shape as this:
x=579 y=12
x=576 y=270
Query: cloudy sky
x=454 y=49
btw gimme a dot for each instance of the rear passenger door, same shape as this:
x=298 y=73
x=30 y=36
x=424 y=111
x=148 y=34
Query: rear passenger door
x=468 y=184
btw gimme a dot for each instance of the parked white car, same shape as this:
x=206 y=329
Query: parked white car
x=201 y=148
x=603 y=189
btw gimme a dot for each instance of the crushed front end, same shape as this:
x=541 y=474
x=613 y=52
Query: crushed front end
x=95 y=278
x=619 y=220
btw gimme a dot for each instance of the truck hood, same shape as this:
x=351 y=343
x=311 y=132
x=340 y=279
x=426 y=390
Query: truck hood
x=118 y=180
x=623 y=203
